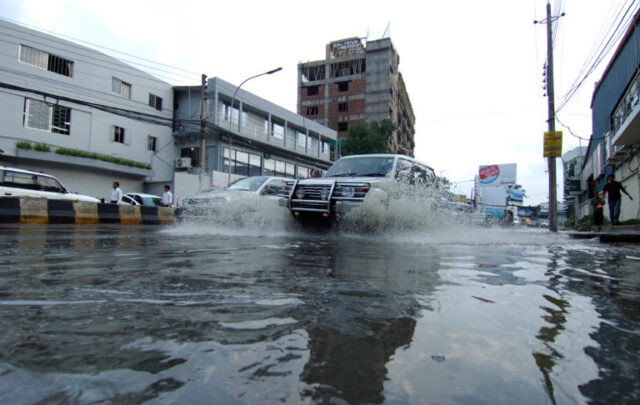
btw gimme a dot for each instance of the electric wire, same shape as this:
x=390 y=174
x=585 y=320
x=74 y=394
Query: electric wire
x=37 y=31
x=111 y=64
x=153 y=119
x=103 y=96
x=620 y=28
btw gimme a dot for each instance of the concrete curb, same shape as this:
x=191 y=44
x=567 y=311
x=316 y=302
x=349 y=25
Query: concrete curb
x=622 y=236
x=43 y=211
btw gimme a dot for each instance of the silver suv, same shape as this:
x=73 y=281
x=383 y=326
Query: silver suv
x=26 y=183
x=349 y=180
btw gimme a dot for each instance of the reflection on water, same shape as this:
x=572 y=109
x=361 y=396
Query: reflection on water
x=212 y=314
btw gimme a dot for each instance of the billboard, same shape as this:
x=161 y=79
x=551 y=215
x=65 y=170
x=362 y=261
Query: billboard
x=516 y=195
x=497 y=175
x=494 y=188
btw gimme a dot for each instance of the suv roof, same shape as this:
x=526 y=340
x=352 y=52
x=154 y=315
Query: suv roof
x=389 y=155
x=143 y=194
x=15 y=169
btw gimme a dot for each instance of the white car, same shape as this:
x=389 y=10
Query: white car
x=27 y=183
x=204 y=203
x=350 y=179
x=142 y=199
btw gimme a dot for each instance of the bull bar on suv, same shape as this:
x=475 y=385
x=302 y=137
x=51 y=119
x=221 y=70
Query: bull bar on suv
x=350 y=179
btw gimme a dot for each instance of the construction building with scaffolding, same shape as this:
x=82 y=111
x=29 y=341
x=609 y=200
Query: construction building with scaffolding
x=357 y=83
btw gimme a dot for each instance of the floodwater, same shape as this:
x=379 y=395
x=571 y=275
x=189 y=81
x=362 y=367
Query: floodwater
x=254 y=313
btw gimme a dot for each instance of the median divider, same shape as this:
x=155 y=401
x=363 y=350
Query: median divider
x=9 y=209
x=42 y=211
x=34 y=210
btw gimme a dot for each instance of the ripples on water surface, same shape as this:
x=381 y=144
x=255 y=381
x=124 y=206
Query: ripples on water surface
x=210 y=313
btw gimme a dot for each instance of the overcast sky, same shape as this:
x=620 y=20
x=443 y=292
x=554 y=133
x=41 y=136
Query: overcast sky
x=473 y=69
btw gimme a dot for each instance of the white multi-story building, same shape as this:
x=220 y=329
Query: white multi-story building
x=81 y=115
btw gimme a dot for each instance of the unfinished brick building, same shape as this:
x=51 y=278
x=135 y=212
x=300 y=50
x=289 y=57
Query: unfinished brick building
x=357 y=83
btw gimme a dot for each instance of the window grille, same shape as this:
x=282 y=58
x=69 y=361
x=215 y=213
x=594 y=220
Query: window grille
x=45 y=60
x=51 y=118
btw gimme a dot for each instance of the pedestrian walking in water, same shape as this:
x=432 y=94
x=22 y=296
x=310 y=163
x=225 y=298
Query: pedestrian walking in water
x=116 y=194
x=612 y=189
x=167 y=197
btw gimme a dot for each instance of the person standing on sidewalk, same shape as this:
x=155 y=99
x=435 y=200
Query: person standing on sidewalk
x=167 y=197
x=613 y=188
x=116 y=194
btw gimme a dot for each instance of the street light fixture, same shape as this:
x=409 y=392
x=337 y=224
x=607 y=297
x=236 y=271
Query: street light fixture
x=240 y=115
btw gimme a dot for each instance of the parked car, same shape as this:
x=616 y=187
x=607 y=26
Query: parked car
x=142 y=199
x=27 y=183
x=349 y=180
x=256 y=186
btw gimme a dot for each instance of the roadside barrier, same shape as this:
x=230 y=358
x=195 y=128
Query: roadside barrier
x=43 y=211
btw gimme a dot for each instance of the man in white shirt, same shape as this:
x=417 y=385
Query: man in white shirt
x=167 y=197
x=116 y=194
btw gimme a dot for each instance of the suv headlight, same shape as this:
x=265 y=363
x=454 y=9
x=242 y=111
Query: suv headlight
x=351 y=190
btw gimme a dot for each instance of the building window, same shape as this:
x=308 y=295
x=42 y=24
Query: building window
x=303 y=172
x=152 y=143
x=46 y=61
x=60 y=119
x=343 y=107
x=313 y=110
x=277 y=130
x=193 y=154
x=290 y=169
x=280 y=168
x=52 y=118
x=121 y=88
x=325 y=147
x=255 y=162
x=155 y=102
x=342 y=126
x=118 y=134
x=343 y=86
x=301 y=141
x=269 y=167
x=312 y=90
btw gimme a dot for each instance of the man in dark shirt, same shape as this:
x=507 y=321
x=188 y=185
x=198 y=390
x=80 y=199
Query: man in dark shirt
x=613 y=188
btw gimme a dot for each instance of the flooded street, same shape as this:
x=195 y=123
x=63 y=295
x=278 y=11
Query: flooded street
x=202 y=314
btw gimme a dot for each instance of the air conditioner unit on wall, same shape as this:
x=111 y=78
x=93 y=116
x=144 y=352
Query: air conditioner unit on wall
x=183 y=163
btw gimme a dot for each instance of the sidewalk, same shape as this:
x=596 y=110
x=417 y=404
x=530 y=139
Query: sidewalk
x=608 y=233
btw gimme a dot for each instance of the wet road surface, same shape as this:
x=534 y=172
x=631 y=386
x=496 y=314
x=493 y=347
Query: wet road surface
x=222 y=315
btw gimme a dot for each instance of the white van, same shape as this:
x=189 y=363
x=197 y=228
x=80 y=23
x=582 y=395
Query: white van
x=26 y=183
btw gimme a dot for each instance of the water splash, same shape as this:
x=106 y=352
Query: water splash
x=395 y=211
x=398 y=206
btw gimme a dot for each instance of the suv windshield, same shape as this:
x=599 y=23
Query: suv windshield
x=248 y=184
x=361 y=166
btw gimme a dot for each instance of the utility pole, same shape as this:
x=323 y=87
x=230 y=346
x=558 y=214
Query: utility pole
x=203 y=126
x=553 y=199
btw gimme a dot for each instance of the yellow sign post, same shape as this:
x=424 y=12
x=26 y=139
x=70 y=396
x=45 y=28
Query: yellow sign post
x=553 y=144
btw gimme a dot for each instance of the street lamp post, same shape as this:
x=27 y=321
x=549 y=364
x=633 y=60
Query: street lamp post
x=240 y=115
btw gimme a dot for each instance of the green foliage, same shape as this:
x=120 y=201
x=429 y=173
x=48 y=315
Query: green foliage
x=23 y=145
x=370 y=137
x=105 y=158
x=42 y=147
x=589 y=220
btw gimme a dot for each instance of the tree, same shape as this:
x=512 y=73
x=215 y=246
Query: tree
x=370 y=137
